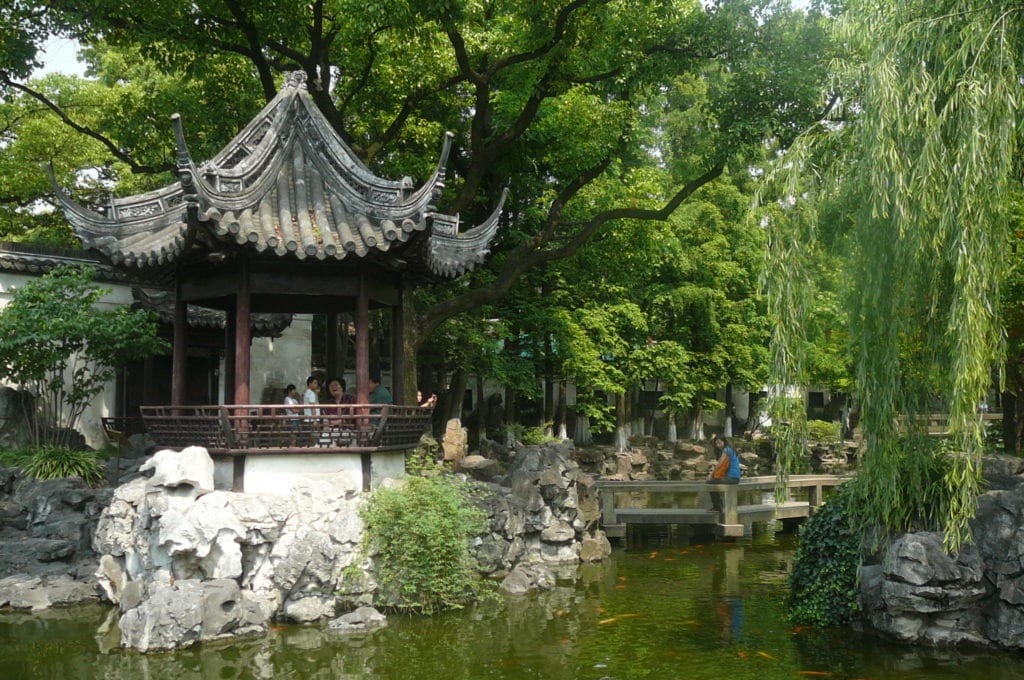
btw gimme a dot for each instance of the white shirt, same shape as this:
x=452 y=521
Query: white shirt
x=310 y=398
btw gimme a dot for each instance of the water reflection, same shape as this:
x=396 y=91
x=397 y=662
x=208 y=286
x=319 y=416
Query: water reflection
x=668 y=607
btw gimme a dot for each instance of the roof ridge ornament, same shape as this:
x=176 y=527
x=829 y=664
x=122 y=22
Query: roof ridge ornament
x=186 y=166
x=296 y=79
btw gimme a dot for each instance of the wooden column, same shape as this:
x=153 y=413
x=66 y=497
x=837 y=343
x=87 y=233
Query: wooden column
x=179 y=353
x=333 y=368
x=243 y=334
x=230 y=317
x=398 y=351
x=148 y=382
x=362 y=322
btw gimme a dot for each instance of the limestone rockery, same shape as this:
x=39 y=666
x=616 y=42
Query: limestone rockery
x=916 y=592
x=186 y=563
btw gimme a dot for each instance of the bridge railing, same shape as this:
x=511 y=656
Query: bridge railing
x=731 y=520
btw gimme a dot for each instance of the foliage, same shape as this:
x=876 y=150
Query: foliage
x=56 y=344
x=422 y=461
x=56 y=121
x=418 y=535
x=823 y=430
x=56 y=462
x=679 y=307
x=531 y=436
x=11 y=458
x=924 y=153
x=823 y=583
x=596 y=115
x=917 y=496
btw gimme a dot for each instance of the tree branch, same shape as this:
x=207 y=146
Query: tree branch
x=557 y=35
x=531 y=253
x=255 y=49
x=88 y=132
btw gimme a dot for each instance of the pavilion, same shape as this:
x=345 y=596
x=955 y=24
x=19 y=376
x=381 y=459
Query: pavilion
x=284 y=220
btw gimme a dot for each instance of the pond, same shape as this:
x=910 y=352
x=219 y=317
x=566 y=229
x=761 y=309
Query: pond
x=663 y=609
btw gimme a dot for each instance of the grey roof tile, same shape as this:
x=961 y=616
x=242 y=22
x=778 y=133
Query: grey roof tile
x=287 y=184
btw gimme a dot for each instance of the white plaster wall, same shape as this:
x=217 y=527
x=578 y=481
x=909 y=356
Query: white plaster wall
x=103 y=405
x=276 y=473
x=275 y=362
x=386 y=465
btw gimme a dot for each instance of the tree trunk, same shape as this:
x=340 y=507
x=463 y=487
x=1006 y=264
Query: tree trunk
x=560 y=414
x=621 y=424
x=510 y=407
x=456 y=392
x=1012 y=407
x=410 y=373
x=481 y=411
x=673 y=435
x=582 y=436
x=697 y=424
x=549 y=388
x=729 y=409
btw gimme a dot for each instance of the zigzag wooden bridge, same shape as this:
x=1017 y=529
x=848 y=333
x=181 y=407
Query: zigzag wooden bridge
x=732 y=521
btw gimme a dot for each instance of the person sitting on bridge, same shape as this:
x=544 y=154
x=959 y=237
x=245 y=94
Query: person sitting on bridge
x=727 y=471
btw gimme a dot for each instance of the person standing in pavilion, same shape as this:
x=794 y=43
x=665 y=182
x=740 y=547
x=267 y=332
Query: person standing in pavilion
x=378 y=393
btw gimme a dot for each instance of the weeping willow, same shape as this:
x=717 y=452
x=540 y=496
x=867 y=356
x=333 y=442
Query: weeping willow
x=925 y=151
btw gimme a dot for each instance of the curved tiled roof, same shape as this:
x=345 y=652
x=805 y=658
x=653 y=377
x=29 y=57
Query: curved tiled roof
x=287 y=184
x=34 y=259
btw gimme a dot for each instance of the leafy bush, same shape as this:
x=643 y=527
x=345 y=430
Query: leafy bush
x=422 y=461
x=823 y=431
x=823 y=585
x=419 y=535
x=12 y=458
x=531 y=436
x=55 y=462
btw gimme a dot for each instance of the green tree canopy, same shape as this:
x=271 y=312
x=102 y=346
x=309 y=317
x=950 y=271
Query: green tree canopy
x=562 y=101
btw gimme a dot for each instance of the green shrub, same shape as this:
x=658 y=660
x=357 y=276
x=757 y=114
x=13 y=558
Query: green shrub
x=823 y=431
x=823 y=585
x=531 y=436
x=55 y=462
x=422 y=461
x=419 y=536
x=12 y=458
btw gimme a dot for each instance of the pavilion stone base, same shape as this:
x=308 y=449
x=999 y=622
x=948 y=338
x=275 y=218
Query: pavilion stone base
x=275 y=473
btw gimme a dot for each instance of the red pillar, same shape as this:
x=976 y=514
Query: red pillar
x=243 y=334
x=363 y=365
x=179 y=353
x=397 y=350
x=230 y=317
x=362 y=343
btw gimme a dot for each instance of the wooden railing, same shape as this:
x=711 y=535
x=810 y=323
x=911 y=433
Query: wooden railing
x=732 y=520
x=255 y=429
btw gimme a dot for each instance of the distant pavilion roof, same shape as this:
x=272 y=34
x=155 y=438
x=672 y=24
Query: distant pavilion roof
x=161 y=302
x=286 y=185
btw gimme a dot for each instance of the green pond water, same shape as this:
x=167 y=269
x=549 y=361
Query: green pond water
x=662 y=609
